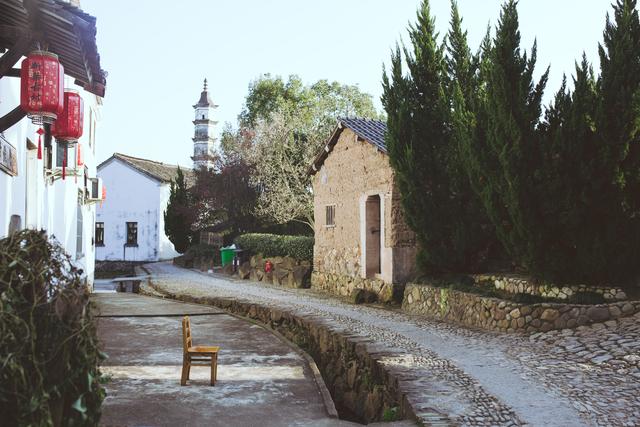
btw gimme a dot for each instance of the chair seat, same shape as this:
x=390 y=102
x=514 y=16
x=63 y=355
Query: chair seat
x=203 y=349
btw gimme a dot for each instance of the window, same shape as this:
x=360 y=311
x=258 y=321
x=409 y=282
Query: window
x=79 y=229
x=330 y=216
x=132 y=234
x=99 y=233
x=62 y=148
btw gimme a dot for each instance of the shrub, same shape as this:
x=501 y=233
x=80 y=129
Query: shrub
x=587 y=298
x=270 y=245
x=202 y=250
x=48 y=342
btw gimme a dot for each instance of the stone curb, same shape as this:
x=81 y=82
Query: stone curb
x=329 y=347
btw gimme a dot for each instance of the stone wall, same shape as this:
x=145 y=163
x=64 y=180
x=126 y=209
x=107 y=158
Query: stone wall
x=506 y=316
x=286 y=271
x=373 y=290
x=519 y=285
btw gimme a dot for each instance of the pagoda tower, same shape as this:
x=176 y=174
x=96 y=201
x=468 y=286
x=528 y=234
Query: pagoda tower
x=203 y=139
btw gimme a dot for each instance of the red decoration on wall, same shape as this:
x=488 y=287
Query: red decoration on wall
x=79 y=155
x=68 y=126
x=268 y=267
x=40 y=131
x=42 y=87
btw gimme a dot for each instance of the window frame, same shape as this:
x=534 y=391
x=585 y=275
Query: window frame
x=330 y=216
x=79 y=233
x=132 y=233
x=99 y=236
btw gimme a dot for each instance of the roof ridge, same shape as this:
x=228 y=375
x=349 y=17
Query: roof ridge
x=148 y=160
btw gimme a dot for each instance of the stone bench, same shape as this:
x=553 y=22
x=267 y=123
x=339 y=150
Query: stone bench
x=128 y=284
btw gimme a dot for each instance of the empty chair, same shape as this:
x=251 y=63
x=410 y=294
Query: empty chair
x=196 y=355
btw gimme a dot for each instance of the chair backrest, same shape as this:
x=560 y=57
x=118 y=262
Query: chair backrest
x=187 y=341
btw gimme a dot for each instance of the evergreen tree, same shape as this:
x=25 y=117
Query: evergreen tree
x=507 y=160
x=178 y=215
x=437 y=200
x=619 y=112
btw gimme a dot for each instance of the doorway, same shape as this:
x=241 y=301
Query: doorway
x=373 y=227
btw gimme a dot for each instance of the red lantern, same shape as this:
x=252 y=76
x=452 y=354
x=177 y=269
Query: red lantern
x=68 y=126
x=42 y=87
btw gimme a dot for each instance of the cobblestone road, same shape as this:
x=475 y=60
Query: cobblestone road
x=589 y=376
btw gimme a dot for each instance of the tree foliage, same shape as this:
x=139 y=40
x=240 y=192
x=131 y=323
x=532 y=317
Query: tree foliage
x=224 y=198
x=179 y=217
x=286 y=123
x=437 y=199
x=561 y=187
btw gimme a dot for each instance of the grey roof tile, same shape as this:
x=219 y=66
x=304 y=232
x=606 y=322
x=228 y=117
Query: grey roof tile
x=370 y=130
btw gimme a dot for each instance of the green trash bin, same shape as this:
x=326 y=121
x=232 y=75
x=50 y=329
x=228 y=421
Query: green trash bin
x=227 y=254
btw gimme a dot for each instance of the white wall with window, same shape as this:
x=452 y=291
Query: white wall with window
x=130 y=222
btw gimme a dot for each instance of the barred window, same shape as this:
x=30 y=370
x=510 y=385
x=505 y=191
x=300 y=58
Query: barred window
x=132 y=233
x=330 y=216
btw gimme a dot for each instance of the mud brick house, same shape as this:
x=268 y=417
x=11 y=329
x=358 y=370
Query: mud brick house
x=361 y=238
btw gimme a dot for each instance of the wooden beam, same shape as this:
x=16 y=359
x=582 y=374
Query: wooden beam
x=11 y=32
x=9 y=59
x=14 y=72
x=11 y=118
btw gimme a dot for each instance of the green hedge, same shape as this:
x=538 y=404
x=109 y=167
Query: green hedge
x=298 y=247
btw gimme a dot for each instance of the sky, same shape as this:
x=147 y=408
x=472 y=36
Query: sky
x=158 y=52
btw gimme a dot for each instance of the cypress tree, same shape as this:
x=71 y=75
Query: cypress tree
x=437 y=200
x=619 y=111
x=507 y=166
x=177 y=218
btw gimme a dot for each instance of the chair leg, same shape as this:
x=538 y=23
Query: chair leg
x=186 y=368
x=213 y=369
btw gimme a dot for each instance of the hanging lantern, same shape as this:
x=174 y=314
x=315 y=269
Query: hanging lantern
x=42 y=87
x=68 y=126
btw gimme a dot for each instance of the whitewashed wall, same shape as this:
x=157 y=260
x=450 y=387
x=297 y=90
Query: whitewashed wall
x=133 y=196
x=40 y=203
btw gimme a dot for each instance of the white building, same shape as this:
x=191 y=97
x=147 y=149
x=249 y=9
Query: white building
x=32 y=191
x=130 y=222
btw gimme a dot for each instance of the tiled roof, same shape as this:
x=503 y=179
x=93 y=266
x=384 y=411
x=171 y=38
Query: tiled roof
x=64 y=29
x=205 y=99
x=372 y=131
x=369 y=130
x=157 y=170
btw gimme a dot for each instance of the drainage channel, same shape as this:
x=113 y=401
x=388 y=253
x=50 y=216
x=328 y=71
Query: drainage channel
x=363 y=389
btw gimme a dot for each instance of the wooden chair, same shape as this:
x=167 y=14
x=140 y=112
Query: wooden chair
x=201 y=355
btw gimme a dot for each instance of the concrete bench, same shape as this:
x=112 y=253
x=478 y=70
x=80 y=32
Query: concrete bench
x=123 y=284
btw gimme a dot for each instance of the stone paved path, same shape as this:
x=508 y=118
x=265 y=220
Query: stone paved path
x=260 y=377
x=567 y=378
